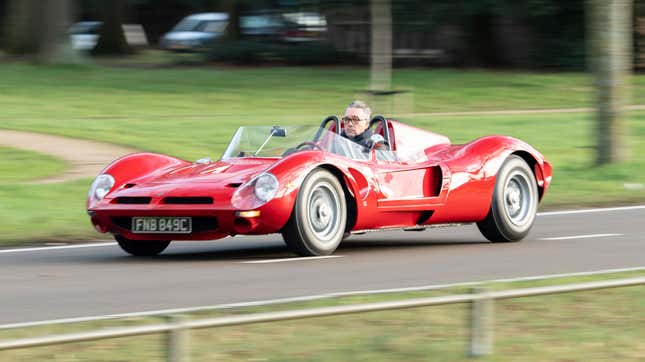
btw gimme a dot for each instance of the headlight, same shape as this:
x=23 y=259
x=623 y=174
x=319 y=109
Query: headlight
x=101 y=186
x=266 y=185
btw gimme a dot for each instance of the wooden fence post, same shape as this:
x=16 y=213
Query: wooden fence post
x=177 y=342
x=482 y=313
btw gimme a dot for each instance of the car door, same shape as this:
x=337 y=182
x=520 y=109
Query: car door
x=408 y=185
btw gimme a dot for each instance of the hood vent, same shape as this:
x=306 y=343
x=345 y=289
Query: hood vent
x=234 y=184
x=132 y=200
x=188 y=200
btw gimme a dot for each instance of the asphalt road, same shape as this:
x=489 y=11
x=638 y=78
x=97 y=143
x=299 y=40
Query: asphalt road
x=76 y=282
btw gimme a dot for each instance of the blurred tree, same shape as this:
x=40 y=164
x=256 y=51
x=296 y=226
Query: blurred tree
x=40 y=28
x=233 y=8
x=21 y=35
x=381 y=45
x=610 y=34
x=3 y=21
x=55 y=45
x=112 y=38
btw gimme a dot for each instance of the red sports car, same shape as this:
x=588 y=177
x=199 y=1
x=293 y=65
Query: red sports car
x=315 y=187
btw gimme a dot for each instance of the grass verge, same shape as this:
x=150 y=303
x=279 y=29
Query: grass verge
x=20 y=165
x=33 y=213
x=591 y=326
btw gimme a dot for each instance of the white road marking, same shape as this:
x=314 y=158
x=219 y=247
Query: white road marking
x=282 y=260
x=549 y=213
x=93 y=245
x=580 y=237
x=587 y=211
x=309 y=298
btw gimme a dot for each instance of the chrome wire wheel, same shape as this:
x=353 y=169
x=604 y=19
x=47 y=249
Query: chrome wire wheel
x=323 y=212
x=518 y=200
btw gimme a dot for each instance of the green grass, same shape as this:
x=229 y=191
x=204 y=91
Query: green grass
x=20 y=165
x=47 y=212
x=192 y=113
x=604 y=325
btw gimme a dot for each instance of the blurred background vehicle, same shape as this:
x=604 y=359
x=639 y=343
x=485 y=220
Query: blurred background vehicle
x=304 y=26
x=195 y=32
x=262 y=25
x=85 y=34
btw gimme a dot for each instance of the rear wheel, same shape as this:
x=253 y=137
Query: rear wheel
x=318 y=220
x=514 y=204
x=141 y=247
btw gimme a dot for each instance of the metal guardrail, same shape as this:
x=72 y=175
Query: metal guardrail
x=481 y=317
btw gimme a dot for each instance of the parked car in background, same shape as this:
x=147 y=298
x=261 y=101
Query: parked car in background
x=304 y=26
x=262 y=25
x=194 y=32
x=85 y=34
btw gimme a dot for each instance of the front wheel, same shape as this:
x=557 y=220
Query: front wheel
x=514 y=204
x=319 y=216
x=141 y=247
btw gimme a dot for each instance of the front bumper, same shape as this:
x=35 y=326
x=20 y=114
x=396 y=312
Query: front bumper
x=209 y=223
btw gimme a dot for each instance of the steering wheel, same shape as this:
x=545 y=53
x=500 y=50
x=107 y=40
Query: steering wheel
x=311 y=145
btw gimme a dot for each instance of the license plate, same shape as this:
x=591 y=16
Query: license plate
x=162 y=225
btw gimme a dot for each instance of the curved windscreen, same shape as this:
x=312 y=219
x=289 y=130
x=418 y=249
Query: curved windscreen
x=277 y=142
x=274 y=141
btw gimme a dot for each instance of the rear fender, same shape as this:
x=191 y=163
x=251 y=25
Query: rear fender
x=495 y=149
x=474 y=167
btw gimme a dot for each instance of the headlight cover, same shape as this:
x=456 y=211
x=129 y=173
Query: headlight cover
x=266 y=186
x=101 y=186
x=256 y=192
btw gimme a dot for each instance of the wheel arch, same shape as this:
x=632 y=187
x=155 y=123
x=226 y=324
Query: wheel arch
x=350 y=198
x=535 y=167
x=135 y=165
x=504 y=146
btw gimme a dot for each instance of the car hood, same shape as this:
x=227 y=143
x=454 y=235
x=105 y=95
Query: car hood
x=237 y=171
x=216 y=178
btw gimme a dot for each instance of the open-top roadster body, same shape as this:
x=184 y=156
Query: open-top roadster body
x=315 y=186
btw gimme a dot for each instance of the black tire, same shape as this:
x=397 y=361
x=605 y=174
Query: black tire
x=514 y=204
x=141 y=247
x=319 y=216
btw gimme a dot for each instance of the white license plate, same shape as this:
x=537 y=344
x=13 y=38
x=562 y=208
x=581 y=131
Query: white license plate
x=162 y=225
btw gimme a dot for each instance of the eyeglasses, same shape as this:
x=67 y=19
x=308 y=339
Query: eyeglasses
x=352 y=119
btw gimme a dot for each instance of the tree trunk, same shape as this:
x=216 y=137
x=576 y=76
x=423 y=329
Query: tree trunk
x=22 y=27
x=111 y=38
x=233 y=8
x=381 y=49
x=55 y=45
x=610 y=34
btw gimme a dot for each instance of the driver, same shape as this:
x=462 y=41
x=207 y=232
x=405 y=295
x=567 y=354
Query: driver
x=356 y=121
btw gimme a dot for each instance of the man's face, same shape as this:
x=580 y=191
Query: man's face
x=356 y=121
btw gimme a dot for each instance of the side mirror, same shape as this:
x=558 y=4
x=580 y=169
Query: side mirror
x=277 y=131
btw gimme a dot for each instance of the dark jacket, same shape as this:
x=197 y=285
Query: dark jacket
x=362 y=139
